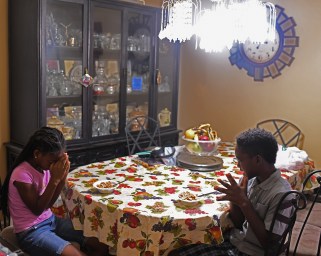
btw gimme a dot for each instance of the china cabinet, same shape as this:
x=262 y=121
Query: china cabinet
x=84 y=66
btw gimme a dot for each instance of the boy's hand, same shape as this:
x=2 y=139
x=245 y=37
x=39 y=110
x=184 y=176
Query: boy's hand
x=234 y=192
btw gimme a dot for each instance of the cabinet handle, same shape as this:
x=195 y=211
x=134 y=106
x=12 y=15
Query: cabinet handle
x=158 y=77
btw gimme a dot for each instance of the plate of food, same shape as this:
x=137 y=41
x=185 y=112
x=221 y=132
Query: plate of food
x=105 y=186
x=187 y=198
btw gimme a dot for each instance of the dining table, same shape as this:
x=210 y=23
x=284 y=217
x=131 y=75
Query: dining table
x=143 y=215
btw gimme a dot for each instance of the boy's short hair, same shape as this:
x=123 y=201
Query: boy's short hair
x=258 y=141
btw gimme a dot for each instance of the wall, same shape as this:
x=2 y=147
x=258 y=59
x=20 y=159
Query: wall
x=213 y=91
x=4 y=102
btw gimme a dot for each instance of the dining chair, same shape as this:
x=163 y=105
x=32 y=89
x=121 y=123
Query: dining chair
x=4 y=215
x=142 y=132
x=8 y=239
x=286 y=133
x=307 y=230
x=284 y=216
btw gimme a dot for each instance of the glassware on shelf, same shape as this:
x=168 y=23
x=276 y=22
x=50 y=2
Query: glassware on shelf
x=65 y=85
x=113 y=84
x=115 y=42
x=51 y=90
x=68 y=132
x=105 y=40
x=97 y=40
x=55 y=122
x=100 y=83
x=136 y=112
x=101 y=122
x=131 y=44
x=164 y=87
x=129 y=89
x=76 y=88
x=114 y=122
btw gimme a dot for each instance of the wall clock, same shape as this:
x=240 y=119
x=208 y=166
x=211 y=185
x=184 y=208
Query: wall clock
x=269 y=58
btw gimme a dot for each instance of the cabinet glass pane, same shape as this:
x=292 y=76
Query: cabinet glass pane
x=106 y=62
x=138 y=64
x=167 y=62
x=64 y=69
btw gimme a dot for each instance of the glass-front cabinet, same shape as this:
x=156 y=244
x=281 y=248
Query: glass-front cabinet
x=86 y=67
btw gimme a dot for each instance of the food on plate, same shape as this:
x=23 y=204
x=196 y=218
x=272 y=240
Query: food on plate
x=105 y=184
x=187 y=196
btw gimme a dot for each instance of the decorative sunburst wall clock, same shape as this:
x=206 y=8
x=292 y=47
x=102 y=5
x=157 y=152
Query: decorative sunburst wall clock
x=269 y=58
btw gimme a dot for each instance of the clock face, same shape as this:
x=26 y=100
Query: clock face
x=269 y=58
x=261 y=52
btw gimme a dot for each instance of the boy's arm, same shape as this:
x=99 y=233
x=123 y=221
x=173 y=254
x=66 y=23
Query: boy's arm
x=236 y=215
x=235 y=194
x=235 y=212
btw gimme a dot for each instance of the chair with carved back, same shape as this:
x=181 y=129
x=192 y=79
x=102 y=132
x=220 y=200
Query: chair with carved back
x=306 y=238
x=5 y=218
x=286 y=133
x=280 y=231
x=142 y=132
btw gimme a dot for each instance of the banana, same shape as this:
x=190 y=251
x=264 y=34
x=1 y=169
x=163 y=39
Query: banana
x=205 y=129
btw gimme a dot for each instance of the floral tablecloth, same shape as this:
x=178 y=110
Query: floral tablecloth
x=143 y=216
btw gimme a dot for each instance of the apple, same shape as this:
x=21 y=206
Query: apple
x=203 y=137
x=189 y=134
x=207 y=147
x=194 y=147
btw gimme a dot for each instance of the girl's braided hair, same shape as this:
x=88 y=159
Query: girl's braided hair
x=46 y=140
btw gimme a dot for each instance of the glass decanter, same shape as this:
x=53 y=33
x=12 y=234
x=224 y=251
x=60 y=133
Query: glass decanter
x=100 y=82
x=65 y=85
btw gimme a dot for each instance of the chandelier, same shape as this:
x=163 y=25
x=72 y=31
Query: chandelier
x=223 y=24
x=179 y=19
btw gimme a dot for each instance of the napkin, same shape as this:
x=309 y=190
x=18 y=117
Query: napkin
x=291 y=158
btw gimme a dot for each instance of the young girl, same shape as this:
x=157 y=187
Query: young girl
x=38 y=176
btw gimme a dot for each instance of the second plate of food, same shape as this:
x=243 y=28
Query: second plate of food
x=105 y=186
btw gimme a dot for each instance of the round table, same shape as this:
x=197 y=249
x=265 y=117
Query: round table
x=143 y=215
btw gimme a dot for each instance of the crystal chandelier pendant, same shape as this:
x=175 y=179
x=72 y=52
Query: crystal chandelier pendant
x=225 y=23
x=178 y=19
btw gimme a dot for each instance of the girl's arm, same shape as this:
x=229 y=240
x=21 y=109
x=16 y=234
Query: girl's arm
x=38 y=203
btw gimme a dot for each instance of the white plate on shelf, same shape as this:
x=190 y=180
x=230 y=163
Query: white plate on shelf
x=76 y=74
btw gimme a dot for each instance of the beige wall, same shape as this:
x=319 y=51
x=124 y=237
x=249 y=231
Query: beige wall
x=214 y=91
x=4 y=109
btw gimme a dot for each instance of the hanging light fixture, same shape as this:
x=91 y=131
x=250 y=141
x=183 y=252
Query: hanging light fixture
x=178 y=19
x=224 y=23
x=214 y=30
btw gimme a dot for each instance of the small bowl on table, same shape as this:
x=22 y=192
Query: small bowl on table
x=188 y=199
x=201 y=147
x=105 y=186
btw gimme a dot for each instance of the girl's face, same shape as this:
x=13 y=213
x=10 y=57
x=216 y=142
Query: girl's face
x=44 y=160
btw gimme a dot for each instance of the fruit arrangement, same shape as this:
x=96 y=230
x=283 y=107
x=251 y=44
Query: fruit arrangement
x=202 y=132
x=201 y=140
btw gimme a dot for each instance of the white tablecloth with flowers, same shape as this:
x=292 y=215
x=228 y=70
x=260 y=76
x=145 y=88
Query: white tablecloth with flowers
x=143 y=215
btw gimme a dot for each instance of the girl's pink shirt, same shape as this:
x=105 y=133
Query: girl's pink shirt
x=21 y=215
